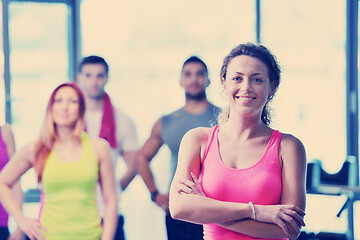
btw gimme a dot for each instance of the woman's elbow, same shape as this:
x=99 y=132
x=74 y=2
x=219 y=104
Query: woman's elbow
x=174 y=209
x=177 y=210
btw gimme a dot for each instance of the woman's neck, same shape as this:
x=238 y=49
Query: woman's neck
x=65 y=134
x=242 y=127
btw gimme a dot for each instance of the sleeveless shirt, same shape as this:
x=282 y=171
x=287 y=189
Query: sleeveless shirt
x=68 y=208
x=4 y=158
x=176 y=124
x=260 y=183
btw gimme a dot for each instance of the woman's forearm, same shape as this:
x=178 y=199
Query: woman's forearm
x=10 y=203
x=204 y=210
x=258 y=229
x=18 y=194
x=286 y=220
x=110 y=220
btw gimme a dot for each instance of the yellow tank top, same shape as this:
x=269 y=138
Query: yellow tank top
x=68 y=208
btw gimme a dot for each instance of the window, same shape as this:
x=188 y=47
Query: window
x=309 y=41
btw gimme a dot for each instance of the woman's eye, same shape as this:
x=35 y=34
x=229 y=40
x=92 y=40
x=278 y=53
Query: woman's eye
x=236 y=78
x=259 y=80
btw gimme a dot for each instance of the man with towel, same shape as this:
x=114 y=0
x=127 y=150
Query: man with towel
x=104 y=120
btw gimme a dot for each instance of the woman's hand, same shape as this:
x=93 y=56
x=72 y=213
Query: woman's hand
x=281 y=215
x=186 y=186
x=32 y=228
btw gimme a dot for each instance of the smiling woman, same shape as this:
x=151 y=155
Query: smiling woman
x=68 y=165
x=257 y=191
x=256 y=62
x=250 y=88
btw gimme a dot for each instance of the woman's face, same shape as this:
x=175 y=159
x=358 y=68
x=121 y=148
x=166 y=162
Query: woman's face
x=247 y=85
x=65 y=108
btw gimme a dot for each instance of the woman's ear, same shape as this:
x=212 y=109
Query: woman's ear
x=223 y=83
x=271 y=93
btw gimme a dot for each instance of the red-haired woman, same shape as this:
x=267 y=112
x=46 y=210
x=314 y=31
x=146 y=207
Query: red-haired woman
x=68 y=165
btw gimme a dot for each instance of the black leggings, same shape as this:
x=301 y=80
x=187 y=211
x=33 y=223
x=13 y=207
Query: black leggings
x=181 y=230
x=4 y=233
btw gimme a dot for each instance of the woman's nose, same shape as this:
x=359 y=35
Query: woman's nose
x=246 y=85
x=65 y=105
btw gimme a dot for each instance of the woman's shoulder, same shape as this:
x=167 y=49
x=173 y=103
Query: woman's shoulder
x=99 y=144
x=290 y=140
x=6 y=131
x=197 y=136
x=291 y=145
x=198 y=132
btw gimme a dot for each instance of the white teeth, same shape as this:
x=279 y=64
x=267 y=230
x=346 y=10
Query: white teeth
x=245 y=98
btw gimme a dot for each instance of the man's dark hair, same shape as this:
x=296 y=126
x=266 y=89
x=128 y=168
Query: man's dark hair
x=93 y=59
x=195 y=59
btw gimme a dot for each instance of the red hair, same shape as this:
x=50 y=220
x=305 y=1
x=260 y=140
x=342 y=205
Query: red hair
x=48 y=133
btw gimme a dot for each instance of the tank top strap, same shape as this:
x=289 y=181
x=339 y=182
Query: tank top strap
x=85 y=141
x=88 y=149
x=275 y=138
x=211 y=136
x=274 y=143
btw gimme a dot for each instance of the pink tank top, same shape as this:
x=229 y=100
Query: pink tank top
x=260 y=183
x=4 y=158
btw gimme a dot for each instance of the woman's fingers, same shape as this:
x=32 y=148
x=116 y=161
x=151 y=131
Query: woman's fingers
x=295 y=215
x=296 y=209
x=292 y=223
x=283 y=226
x=189 y=184
x=197 y=184
x=285 y=222
x=184 y=188
x=288 y=217
x=196 y=181
x=34 y=230
x=190 y=187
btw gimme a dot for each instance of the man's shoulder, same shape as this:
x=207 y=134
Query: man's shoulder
x=214 y=107
x=173 y=114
